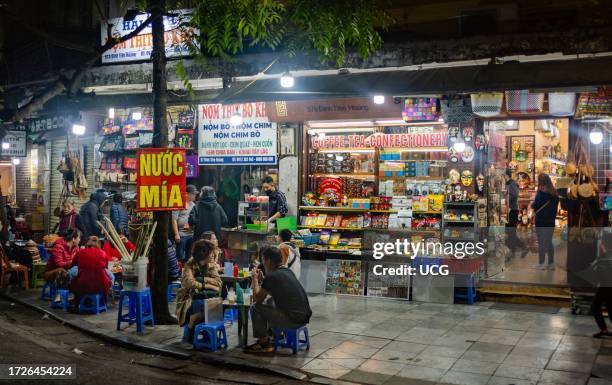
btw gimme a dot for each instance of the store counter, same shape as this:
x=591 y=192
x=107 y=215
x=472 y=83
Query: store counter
x=243 y=243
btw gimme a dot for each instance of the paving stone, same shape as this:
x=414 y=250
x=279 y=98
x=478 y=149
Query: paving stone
x=462 y=378
x=570 y=366
x=363 y=377
x=437 y=362
x=382 y=367
x=445 y=351
x=478 y=367
x=408 y=347
x=519 y=372
x=509 y=381
x=563 y=378
x=421 y=373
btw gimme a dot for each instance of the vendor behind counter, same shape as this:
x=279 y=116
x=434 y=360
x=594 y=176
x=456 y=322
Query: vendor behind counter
x=278 y=203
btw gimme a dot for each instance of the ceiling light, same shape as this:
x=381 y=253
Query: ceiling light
x=459 y=145
x=440 y=120
x=236 y=119
x=111 y=113
x=6 y=145
x=136 y=115
x=379 y=99
x=16 y=161
x=78 y=129
x=510 y=122
x=287 y=80
x=596 y=135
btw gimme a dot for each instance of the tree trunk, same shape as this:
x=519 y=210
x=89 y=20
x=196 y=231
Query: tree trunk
x=159 y=263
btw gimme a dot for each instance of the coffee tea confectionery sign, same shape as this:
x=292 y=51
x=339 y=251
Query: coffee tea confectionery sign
x=253 y=141
x=161 y=179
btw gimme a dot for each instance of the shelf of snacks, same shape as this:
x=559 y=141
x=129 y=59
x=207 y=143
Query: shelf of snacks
x=460 y=221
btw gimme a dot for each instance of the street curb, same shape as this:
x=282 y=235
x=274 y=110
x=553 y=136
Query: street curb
x=155 y=348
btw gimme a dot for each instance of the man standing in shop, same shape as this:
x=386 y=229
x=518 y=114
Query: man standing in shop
x=512 y=240
x=278 y=202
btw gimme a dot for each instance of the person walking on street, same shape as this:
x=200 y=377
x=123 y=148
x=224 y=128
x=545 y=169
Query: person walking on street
x=207 y=214
x=545 y=205
x=183 y=232
x=119 y=215
x=512 y=240
x=278 y=203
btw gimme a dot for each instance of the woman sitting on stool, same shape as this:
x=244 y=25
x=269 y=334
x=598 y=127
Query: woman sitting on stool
x=200 y=280
x=92 y=276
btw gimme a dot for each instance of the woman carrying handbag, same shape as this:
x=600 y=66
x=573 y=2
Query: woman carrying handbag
x=545 y=205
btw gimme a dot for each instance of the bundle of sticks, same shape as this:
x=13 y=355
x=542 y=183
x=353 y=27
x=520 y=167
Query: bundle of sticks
x=143 y=242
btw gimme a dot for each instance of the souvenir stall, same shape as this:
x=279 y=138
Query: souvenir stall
x=385 y=179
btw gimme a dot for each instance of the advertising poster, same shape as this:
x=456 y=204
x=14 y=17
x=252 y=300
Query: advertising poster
x=161 y=179
x=254 y=141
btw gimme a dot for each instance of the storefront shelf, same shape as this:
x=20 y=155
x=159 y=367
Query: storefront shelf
x=453 y=221
x=332 y=228
x=419 y=231
x=553 y=160
x=343 y=209
x=352 y=174
x=409 y=178
x=427 y=212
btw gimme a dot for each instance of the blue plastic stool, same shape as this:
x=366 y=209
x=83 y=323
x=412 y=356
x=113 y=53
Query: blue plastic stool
x=63 y=302
x=171 y=292
x=48 y=291
x=465 y=288
x=140 y=309
x=92 y=303
x=230 y=315
x=115 y=290
x=291 y=338
x=213 y=336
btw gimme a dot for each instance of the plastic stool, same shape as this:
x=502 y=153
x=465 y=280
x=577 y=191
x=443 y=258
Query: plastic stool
x=230 y=315
x=465 y=288
x=63 y=302
x=213 y=336
x=115 y=290
x=48 y=291
x=171 y=292
x=97 y=303
x=140 y=309
x=291 y=338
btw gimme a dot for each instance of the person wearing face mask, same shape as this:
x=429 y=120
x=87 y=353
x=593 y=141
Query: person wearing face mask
x=207 y=214
x=200 y=280
x=278 y=203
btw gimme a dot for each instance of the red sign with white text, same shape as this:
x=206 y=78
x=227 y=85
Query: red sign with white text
x=161 y=179
x=401 y=140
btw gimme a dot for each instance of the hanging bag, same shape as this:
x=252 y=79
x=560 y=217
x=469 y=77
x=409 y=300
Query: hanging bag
x=523 y=102
x=487 y=104
x=456 y=109
x=561 y=103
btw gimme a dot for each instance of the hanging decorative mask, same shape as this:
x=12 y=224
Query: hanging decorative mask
x=454 y=176
x=458 y=192
x=516 y=145
x=466 y=178
x=468 y=134
x=480 y=182
x=513 y=165
x=479 y=142
x=529 y=148
x=453 y=133
x=453 y=156
x=468 y=154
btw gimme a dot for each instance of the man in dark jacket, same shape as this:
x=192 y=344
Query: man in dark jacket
x=207 y=215
x=90 y=213
x=119 y=215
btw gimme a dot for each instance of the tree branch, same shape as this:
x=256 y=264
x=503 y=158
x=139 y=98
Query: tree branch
x=59 y=86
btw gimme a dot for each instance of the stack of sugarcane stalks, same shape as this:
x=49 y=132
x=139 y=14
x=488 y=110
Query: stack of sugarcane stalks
x=142 y=243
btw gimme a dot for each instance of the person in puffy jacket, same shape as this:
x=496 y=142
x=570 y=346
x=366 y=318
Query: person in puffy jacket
x=207 y=215
x=90 y=214
x=119 y=215
x=92 y=277
x=545 y=206
x=62 y=256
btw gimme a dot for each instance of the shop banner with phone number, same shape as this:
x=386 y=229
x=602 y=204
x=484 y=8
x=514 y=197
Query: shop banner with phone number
x=254 y=141
x=161 y=179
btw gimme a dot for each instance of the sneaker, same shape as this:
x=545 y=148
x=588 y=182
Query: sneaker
x=258 y=348
x=539 y=266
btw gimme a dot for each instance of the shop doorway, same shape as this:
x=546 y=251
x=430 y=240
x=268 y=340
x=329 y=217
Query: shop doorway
x=527 y=148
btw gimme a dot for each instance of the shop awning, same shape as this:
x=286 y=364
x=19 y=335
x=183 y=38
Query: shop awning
x=548 y=75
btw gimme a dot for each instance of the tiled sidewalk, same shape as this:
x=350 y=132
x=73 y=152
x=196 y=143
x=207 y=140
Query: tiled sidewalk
x=374 y=341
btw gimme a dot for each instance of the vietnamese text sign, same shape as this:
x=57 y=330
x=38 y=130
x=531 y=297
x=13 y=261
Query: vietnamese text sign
x=402 y=140
x=160 y=179
x=254 y=141
x=17 y=142
x=139 y=47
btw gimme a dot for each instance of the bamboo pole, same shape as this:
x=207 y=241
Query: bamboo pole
x=125 y=256
x=146 y=250
x=113 y=232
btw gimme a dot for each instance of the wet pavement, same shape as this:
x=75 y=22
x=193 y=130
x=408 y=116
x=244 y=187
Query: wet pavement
x=378 y=341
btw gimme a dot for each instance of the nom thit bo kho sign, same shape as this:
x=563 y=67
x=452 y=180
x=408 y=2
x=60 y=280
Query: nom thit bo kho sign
x=161 y=179
x=254 y=141
x=400 y=140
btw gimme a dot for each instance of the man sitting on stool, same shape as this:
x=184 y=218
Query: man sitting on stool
x=289 y=307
